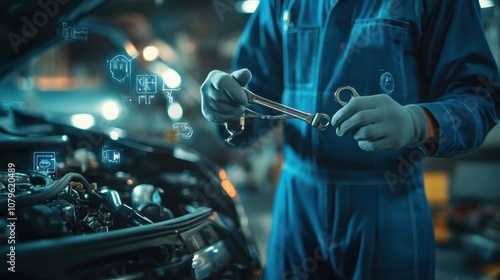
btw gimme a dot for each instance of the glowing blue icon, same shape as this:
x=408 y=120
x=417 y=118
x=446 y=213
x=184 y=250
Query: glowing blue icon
x=147 y=98
x=168 y=91
x=183 y=130
x=119 y=67
x=70 y=33
x=146 y=84
x=387 y=82
x=110 y=156
x=44 y=162
x=146 y=87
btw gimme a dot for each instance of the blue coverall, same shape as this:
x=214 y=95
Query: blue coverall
x=341 y=212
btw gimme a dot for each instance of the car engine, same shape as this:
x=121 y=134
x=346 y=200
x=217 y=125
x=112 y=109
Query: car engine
x=180 y=219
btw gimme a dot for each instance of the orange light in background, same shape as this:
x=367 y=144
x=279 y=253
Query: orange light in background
x=436 y=187
x=222 y=174
x=226 y=184
x=212 y=217
x=57 y=83
x=131 y=49
x=130 y=182
x=229 y=188
x=436 y=190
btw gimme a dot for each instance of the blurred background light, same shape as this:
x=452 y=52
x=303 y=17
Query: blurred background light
x=131 y=49
x=226 y=184
x=110 y=110
x=486 y=3
x=83 y=121
x=247 y=7
x=175 y=111
x=171 y=78
x=150 y=53
x=114 y=135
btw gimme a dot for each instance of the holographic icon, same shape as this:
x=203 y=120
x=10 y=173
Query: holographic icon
x=110 y=156
x=183 y=130
x=170 y=97
x=44 y=162
x=70 y=33
x=168 y=91
x=120 y=67
x=387 y=82
x=147 y=98
x=146 y=87
x=146 y=84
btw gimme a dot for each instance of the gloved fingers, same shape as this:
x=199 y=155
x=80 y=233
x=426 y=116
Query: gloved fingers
x=341 y=115
x=243 y=76
x=377 y=145
x=383 y=129
x=359 y=120
x=209 y=92
x=355 y=105
x=381 y=136
x=215 y=97
x=368 y=146
x=370 y=132
x=222 y=112
x=218 y=82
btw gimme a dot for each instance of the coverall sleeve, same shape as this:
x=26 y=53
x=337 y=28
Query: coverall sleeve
x=462 y=76
x=260 y=50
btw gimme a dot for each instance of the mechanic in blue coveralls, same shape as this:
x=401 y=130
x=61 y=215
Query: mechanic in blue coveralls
x=350 y=202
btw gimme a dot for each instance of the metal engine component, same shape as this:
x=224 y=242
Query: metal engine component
x=123 y=215
x=147 y=200
x=145 y=193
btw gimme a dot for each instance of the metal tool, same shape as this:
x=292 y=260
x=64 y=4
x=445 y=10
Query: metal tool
x=235 y=127
x=315 y=119
x=353 y=94
x=319 y=120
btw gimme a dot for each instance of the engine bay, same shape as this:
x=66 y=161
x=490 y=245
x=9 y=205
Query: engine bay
x=164 y=213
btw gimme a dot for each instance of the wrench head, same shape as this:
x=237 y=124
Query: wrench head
x=352 y=92
x=321 y=121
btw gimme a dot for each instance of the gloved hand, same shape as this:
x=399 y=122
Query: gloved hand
x=222 y=97
x=378 y=122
